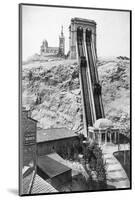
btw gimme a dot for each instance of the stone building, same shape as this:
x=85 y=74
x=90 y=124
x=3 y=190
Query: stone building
x=35 y=184
x=49 y=171
x=51 y=167
x=86 y=25
x=28 y=138
x=45 y=49
x=53 y=140
x=49 y=176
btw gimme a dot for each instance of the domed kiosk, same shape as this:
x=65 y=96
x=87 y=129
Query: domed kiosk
x=103 y=132
x=103 y=123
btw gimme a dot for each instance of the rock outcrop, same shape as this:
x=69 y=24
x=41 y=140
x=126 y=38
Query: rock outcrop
x=51 y=89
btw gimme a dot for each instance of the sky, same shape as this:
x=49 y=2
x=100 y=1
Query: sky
x=39 y=23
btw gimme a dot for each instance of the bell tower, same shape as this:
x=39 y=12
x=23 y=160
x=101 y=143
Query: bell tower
x=62 y=43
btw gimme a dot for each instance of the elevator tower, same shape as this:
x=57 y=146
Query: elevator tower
x=82 y=42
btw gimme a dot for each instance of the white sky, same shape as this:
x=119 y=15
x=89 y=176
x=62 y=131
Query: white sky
x=38 y=23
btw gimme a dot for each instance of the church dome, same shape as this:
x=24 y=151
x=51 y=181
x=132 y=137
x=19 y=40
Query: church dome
x=103 y=123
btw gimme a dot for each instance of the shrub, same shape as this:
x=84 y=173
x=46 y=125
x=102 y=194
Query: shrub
x=96 y=164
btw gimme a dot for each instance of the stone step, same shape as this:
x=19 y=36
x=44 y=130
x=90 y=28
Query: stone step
x=119 y=184
x=113 y=167
x=116 y=177
x=114 y=170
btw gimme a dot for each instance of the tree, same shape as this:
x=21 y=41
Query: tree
x=30 y=75
x=96 y=163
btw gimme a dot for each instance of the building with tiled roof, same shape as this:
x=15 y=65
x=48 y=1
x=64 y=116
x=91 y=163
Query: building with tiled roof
x=45 y=135
x=41 y=186
x=34 y=184
x=49 y=167
x=49 y=175
x=43 y=171
x=27 y=182
x=54 y=140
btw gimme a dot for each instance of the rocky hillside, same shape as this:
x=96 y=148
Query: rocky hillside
x=51 y=89
x=52 y=92
x=115 y=79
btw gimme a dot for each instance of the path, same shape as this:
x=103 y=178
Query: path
x=116 y=175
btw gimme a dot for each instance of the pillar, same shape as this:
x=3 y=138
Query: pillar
x=118 y=142
x=99 y=138
x=105 y=137
x=115 y=137
x=93 y=136
x=73 y=40
x=110 y=137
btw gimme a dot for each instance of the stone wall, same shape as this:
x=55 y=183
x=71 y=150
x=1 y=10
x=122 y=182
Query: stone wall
x=56 y=145
x=61 y=179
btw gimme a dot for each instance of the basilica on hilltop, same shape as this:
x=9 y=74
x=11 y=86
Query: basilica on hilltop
x=45 y=49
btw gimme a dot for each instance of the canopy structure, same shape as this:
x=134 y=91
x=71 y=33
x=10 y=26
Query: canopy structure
x=103 y=123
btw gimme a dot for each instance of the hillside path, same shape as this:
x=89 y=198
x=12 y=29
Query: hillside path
x=116 y=175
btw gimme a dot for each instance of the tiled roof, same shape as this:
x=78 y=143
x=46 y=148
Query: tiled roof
x=57 y=157
x=51 y=167
x=41 y=186
x=44 y=135
x=27 y=181
x=34 y=184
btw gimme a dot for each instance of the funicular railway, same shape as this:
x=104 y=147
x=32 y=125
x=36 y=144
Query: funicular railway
x=108 y=138
x=82 y=40
x=83 y=47
x=96 y=87
x=84 y=77
x=91 y=88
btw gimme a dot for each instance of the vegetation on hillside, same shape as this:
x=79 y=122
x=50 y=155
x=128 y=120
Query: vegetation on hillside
x=51 y=90
x=115 y=79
